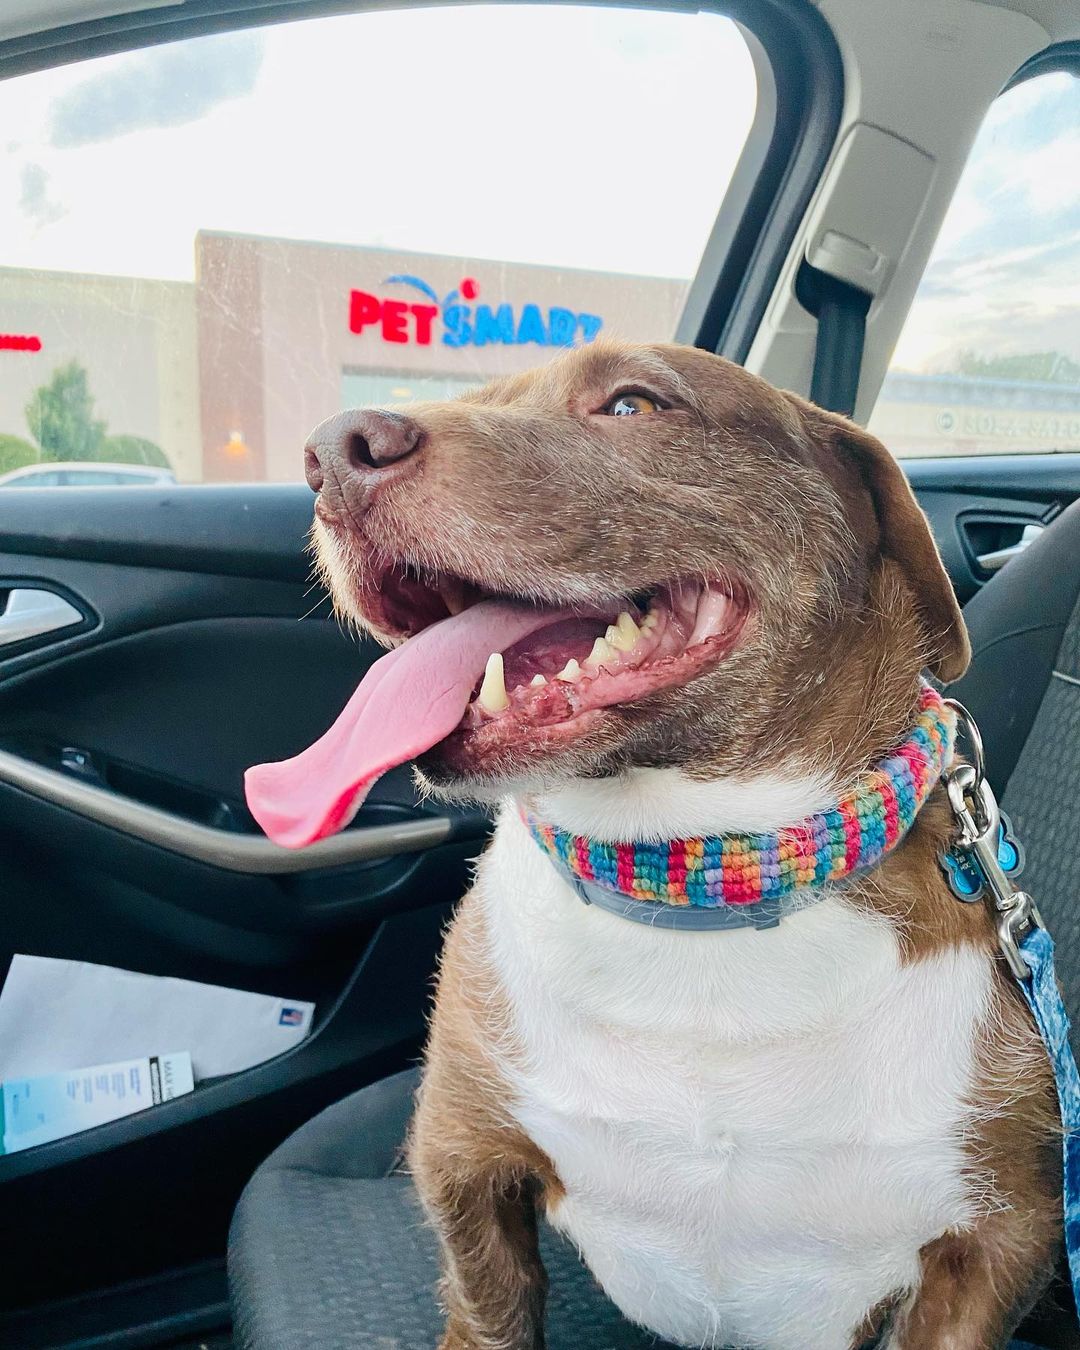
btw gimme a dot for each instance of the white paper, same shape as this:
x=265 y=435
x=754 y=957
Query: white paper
x=39 y=1110
x=59 y=1015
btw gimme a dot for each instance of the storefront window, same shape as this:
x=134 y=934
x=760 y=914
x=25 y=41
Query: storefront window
x=212 y=245
x=394 y=389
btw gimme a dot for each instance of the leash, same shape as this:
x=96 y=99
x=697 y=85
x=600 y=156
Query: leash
x=980 y=867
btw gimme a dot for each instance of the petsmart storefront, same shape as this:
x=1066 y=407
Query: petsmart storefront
x=290 y=332
x=228 y=375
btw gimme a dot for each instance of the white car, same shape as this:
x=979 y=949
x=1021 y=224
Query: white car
x=74 y=474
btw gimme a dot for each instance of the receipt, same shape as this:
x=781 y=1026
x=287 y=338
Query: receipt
x=38 y=1110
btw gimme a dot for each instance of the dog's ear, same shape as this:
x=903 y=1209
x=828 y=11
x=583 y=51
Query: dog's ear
x=905 y=537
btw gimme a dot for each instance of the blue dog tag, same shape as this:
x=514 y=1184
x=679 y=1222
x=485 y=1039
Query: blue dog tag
x=965 y=880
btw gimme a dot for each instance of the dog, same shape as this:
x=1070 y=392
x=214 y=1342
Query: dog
x=644 y=596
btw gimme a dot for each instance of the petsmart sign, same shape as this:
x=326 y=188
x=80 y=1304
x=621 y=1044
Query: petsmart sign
x=459 y=322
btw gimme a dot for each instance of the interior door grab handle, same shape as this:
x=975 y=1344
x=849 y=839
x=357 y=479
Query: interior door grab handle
x=32 y=612
x=995 y=561
x=249 y=853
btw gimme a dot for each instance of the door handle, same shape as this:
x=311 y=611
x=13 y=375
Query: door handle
x=998 y=557
x=32 y=612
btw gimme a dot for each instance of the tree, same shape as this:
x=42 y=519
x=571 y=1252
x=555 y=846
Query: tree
x=61 y=419
x=133 y=450
x=15 y=452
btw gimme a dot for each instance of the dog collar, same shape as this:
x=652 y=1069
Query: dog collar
x=753 y=880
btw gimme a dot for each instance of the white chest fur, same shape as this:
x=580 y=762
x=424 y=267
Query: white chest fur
x=756 y=1130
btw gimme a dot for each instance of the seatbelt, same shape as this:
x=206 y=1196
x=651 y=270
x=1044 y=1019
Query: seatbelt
x=841 y=311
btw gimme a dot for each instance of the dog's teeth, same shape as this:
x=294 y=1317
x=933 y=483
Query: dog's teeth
x=570 y=672
x=453 y=594
x=650 y=620
x=602 y=650
x=624 y=633
x=492 y=697
x=537 y=682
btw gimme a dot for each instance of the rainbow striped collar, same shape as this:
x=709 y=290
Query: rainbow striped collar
x=753 y=880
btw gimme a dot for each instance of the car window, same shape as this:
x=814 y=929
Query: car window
x=214 y=244
x=989 y=359
x=46 y=478
x=98 y=478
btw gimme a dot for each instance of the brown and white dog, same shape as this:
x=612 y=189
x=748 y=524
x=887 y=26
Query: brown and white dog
x=794 y=1139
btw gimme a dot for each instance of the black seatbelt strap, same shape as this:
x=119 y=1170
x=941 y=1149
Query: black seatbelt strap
x=841 y=311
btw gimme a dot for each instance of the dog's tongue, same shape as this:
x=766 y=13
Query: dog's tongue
x=409 y=700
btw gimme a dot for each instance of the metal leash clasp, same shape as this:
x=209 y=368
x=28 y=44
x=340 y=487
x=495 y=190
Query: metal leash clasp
x=982 y=839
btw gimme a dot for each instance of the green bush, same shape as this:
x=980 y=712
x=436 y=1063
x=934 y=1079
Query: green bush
x=132 y=450
x=60 y=416
x=61 y=419
x=15 y=452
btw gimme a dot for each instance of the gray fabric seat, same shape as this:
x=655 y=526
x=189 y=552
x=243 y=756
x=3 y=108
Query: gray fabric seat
x=328 y=1250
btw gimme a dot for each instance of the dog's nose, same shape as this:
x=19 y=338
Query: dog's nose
x=357 y=445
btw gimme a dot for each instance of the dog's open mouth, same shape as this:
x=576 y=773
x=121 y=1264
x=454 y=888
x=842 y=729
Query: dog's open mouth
x=488 y=674
x=617 y=656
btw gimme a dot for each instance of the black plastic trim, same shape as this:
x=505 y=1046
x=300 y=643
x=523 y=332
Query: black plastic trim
x=1062 y=56
x=227 y=530
x=1040 y=477
x=170 y=1309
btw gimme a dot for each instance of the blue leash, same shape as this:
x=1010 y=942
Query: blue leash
x=979 y=866
x=1044 y=1000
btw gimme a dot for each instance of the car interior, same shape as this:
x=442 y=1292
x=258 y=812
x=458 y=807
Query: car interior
x=873 y=203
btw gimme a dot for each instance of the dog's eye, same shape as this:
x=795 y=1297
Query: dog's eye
x=627 y=405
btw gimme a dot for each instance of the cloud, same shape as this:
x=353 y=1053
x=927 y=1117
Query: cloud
x=34 y=200
x=167 y=86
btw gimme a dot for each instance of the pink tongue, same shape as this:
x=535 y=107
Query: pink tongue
x=409 y=700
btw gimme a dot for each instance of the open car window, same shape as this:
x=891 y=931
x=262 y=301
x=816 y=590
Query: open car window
x=214 y=244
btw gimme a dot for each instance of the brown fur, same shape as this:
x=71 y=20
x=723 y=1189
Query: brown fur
x=480 y=1177
x=523 y=488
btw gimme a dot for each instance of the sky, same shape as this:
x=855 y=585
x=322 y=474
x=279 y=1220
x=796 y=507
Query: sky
x=574 y=136
x=582 y=137
x=1004 y=277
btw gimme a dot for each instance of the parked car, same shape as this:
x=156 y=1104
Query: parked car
x=75 y=474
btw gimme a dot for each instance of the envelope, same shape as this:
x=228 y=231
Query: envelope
x=58 y=1015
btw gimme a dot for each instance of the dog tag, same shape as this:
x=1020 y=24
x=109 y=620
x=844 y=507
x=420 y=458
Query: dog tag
x=964 y=878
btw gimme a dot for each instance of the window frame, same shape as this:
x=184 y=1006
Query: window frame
x=800 y=96
x=1059 y=58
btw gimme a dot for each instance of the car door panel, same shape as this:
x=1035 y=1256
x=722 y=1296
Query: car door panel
x=203 y=649
x=980 y=504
